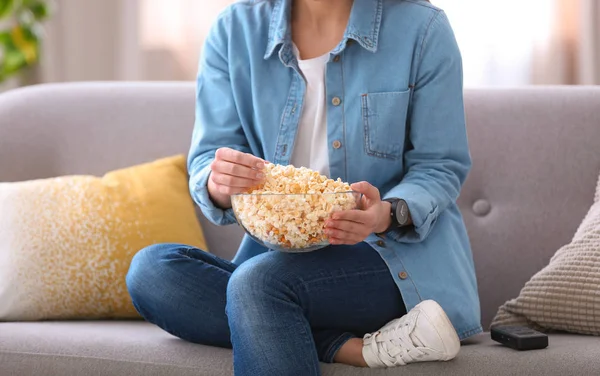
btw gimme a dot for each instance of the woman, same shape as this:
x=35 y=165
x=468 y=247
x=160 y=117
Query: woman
x=369 y=91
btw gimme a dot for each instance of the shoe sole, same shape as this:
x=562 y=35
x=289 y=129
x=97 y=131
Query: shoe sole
x=449 y=333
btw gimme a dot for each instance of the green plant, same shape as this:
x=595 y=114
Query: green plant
x=20 y=34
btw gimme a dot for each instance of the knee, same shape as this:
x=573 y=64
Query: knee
x=146 y=269
x=261 y=277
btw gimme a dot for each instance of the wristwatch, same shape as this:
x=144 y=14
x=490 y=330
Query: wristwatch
x=399 y=213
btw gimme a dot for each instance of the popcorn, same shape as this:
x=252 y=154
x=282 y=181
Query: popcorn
x=290 y=208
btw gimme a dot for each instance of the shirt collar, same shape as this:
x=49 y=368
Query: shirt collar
x=363 y=26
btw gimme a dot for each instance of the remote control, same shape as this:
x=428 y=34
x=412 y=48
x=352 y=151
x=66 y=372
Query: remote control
x=520 y=337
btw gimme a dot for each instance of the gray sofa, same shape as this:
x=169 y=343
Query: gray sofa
x=536 y=155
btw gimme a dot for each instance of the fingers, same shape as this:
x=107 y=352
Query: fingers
x=233 y=181
x=347 y=231
x=237 y=157
x=235 y=172
x=338 y=237
x=350 y=226
x=220 y=166
x=229 y=191
x=369 y=191
x=358 y=216
x=230 y=185
x=334 y=227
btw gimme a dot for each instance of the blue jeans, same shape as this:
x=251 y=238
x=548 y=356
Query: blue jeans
x=281 y=312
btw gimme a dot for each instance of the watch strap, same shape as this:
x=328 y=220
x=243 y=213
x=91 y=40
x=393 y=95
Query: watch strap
x=394 y=224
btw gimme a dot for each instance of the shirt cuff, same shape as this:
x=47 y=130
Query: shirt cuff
x=199 y=192
x=423 y=211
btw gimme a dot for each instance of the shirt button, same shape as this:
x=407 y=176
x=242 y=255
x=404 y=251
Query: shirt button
x=403 y=275
x=336 y=59
x=481 y=208
x=380 y=243
x=336 y=101
x=337 y=144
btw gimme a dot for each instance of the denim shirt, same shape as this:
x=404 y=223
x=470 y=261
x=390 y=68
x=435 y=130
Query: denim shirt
x=395 y=118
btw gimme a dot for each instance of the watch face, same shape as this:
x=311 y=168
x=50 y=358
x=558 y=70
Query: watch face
x=402 y=213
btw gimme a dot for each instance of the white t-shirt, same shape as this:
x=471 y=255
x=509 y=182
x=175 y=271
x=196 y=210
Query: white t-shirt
x=310 y=149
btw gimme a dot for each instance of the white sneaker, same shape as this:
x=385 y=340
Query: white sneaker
x=425 y=334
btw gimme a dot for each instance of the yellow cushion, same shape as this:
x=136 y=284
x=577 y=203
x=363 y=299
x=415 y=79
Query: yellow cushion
x=66 y=243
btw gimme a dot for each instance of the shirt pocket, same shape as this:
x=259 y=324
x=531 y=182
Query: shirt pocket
x=384 y=121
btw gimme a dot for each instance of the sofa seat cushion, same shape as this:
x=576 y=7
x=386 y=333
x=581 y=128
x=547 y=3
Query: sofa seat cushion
x=137 y=348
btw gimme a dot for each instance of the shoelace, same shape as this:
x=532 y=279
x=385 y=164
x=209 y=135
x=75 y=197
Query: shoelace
x=394 y=345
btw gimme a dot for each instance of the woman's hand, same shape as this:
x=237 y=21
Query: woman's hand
x=233 y=172
x=353 y=226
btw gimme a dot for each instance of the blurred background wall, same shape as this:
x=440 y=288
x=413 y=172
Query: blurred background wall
x=503 y=42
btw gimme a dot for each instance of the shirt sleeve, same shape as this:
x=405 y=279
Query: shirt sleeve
x=437 y=159
x=217 y=123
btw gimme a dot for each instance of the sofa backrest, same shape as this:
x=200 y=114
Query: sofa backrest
x=536 y=154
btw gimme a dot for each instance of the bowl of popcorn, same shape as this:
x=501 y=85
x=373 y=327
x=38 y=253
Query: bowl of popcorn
x=289 y=210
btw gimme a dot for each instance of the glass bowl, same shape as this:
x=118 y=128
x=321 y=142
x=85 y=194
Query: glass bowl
x=290 y=222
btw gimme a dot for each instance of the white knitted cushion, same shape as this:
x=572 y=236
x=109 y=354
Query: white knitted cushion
x=565 y=295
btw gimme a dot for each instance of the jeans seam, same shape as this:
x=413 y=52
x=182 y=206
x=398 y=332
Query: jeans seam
x=332 y=278
x=301 y=289
x=464 y=334
x=336 y=345
x=186 y=252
